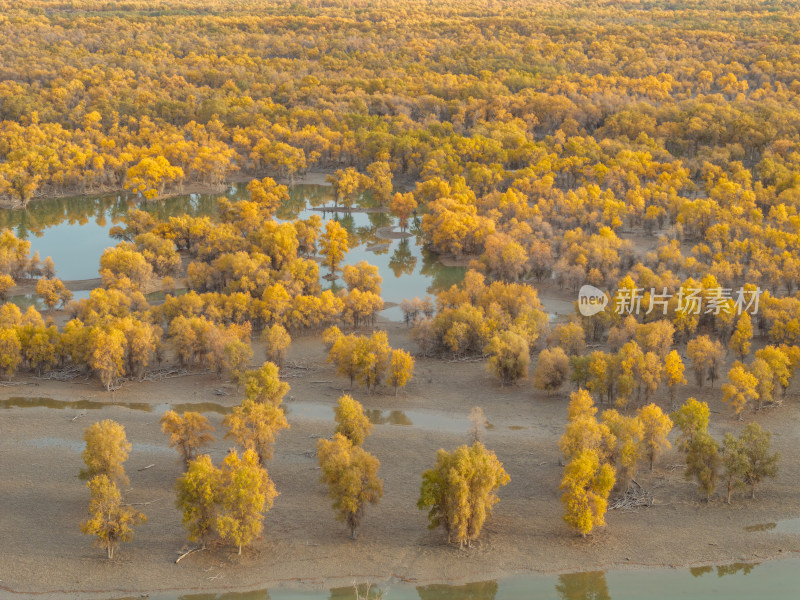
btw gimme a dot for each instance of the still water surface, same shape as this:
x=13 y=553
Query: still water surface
x=741 y=581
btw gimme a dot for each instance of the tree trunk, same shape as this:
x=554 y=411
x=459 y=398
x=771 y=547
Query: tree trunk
x=352 y=533
x=240 y=549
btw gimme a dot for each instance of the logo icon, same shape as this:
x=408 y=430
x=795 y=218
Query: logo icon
x=591 y=300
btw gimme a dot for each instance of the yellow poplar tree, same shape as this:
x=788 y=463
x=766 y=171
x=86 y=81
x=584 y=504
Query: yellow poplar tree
x=692 y=420
x=583 y=431
x=335 y=243
x=351 y=474
x=742 y=335
x=510 y=357
x=109 y=520
x=106 y=353
x=187 y=432
x=740 y=389
x=351 y=421
x=673 y=373
x=246 y=493
x=460 y=491
x=106 y=450
x=278 y=341
x=626 y=444
x=587 y=483
x=263 y=385
x=401 y=369
x=655 y=426
x=10 y=351
x=197 y=490
x=254 y=426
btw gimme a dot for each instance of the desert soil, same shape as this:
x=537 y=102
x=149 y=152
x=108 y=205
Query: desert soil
x=42 y=502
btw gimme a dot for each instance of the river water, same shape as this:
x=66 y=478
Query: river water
x=775 y=580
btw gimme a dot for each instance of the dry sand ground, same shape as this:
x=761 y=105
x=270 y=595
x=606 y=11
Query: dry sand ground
x=42 y=551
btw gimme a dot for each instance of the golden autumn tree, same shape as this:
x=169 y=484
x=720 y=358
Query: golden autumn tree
x=706 y=356
x=740 y=389
x=692 y=420
x=351 y=421
x=267 y=194
x=655 y=428
x=10 y=351
x=6 y=284
x=583 y=431
x=277 y=340
x=380 y=180
x=586 y=484
x=402 y=206
x=246 y=493
x=351 y=474
x=625 y=445
x=263 y=385
x=254 y=426
x=109 y=519
x=106 y=353
x=106 y=450
x=509 y=357
x=460 y=491
x=197 y=493
x=673 y=373
x=334 y=243
x=742 y=336
x=346 y=183
x=187 y=433
x=53 y=291
x=401 y=369
x=151 y=176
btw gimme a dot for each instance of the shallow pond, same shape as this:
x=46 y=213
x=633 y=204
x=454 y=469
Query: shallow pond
x=738 y=581
x=39 y=402
x=74 y=232
x=451 y=423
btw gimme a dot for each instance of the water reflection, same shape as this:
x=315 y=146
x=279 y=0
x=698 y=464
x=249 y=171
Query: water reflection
x=776 y=580
x=394 y=417
x=423 y=419
x=18 y=402
x=257 y=595
x=39 y=402
x=590 y=585
x=739 y=568
x=365 y=592
x=403 y=260
x=761 y=527
x=480 y=590
x=75 y=232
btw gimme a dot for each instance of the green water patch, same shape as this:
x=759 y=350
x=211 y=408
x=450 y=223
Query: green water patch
x=83 y=404
x=788 y=526
x=776 y=580
x=422 y=419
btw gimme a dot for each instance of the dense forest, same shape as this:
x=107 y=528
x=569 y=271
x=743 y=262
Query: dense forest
x=529 y=141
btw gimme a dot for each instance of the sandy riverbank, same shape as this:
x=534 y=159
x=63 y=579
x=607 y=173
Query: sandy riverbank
x=43 y=551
